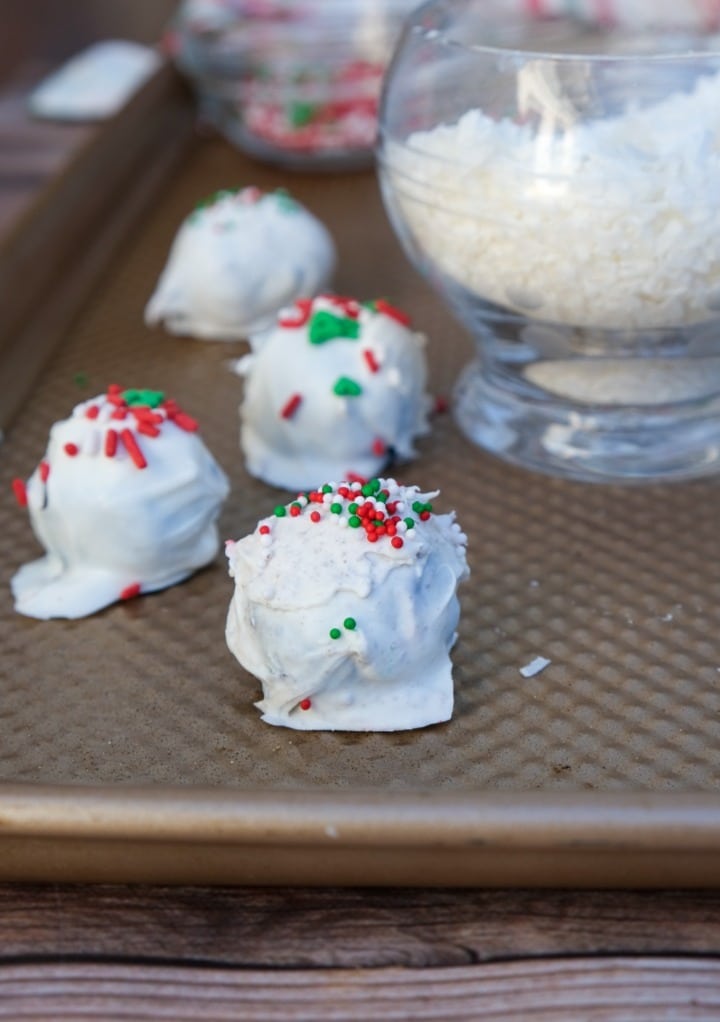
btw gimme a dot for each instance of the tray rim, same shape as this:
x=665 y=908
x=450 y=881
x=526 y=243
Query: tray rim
x=361 y=838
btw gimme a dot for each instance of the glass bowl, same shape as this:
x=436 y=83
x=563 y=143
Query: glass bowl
x=292 y=82
x=557 y=180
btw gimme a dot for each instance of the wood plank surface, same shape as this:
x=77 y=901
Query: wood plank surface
x=549 y=991
x=281 y=928
x=116 y=952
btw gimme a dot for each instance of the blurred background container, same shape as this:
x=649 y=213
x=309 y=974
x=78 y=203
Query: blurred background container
x=293 y=82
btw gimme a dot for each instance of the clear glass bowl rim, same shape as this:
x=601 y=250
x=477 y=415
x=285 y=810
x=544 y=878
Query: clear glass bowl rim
x=438 y=37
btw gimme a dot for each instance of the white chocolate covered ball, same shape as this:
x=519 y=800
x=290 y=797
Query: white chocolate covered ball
x=125 y=501
x=336 y=388
x=345 y=608
x=236 y=260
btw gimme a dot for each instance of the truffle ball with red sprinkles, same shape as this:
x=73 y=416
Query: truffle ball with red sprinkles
x=124 y=501
x=345 y=607
x=336 y=388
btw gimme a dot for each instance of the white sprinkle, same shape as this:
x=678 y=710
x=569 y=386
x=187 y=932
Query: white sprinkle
x=534 y=667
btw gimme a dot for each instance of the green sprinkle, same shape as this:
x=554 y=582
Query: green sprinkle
x=301 y=114
x=418 y=506
x=336 y=508
x=410 y=522
x=354 y=522
x=335 y=633
x=298 y=506
x=382 y=497
x=350 y=623
x=285 y=201
x=353 y=508
x=280 y=511
x=80 y=380
x=327 y=488
x=148 y=398
x=345 y=387
x=325 y=326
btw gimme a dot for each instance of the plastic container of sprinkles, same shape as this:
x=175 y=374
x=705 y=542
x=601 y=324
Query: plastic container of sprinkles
x=291 y=82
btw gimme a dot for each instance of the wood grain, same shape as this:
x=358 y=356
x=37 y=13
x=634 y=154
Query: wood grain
x=644 y=990
x=348 y=928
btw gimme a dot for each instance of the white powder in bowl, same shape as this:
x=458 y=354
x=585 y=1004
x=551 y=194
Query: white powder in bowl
x=609 y=224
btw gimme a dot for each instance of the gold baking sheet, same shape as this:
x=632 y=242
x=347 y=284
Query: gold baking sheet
x=130 y=747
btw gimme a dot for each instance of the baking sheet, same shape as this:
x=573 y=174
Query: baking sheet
x=617 y=586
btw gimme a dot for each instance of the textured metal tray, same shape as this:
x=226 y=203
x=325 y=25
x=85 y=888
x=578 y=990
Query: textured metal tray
x=130 y=748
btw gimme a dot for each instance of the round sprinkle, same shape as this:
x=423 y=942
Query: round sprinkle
x=350 y=623
x=354 y=522
x=336 y=509
x=397 y=542
x=305 y=704
x=353 y=508
x=280 y=511
x=295 y=510
x=264 y=530
x=315 y=516
x=335 y=633
x=410 y=522
x=72 y=450
x=130 y=591
x=326 y=488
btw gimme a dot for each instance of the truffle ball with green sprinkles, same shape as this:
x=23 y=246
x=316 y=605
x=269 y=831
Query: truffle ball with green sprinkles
x=335 y=390
x=350 y=629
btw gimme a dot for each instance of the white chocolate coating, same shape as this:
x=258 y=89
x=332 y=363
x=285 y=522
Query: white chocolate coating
x=347 y=633
x=236 y=260
x=296 y=429
x=111 y=528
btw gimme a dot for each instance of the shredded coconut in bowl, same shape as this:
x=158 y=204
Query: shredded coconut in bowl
x=608 y=224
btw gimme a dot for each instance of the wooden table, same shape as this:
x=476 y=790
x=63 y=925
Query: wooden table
x=111 y=952
x=288 y=953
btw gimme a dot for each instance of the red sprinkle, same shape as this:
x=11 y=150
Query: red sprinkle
x=379 y=448
x=291 y=406
x=147 y=429
x=370 y=360
x=130 y=591
x=315 y=516
x=131 y=446
x=114 y=398
x=305 y=704
x=72 y=450
x=114 y=388
x=424 y=515
x=20 y=491
x=184 y=421
x=353 y=477
x=441 y=405
x=295 y=510
x=92 y=412
x=111 y=440
x=392 y=311
x=264 y=530
x=44 y=471
x=300 y=315
x=119 y=413
x=397 y=542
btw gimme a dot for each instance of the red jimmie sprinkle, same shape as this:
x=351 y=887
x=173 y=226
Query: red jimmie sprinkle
x=370 y=360
x=392 y=311
x=147 y=428
x=291 y=406
x=44 y=471
x=114 y=388
x=299 y=316
x=20 y=491
x=111 y=442
x=305 y=704
x=72 y=450
x=131 y=446
x=130 y=591
x=184 y=421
